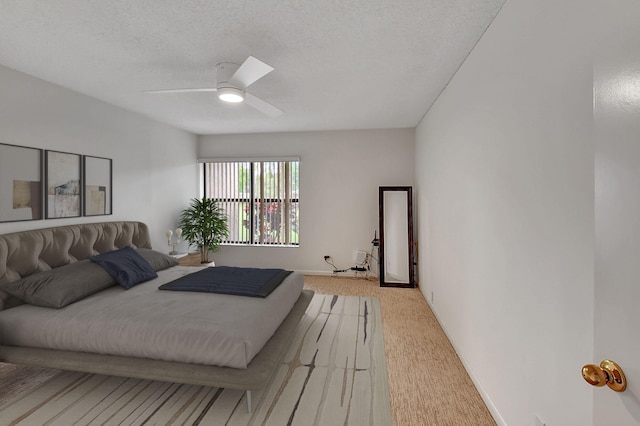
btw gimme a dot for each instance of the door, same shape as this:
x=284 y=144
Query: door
x=617 y=204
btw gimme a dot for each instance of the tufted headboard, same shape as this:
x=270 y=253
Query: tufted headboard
x=28 y=252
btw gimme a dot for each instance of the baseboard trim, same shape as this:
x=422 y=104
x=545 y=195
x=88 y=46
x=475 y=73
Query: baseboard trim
x=476 y=382
x=349 y=274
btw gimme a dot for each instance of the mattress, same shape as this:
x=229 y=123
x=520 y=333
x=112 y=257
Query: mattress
x=144 y=322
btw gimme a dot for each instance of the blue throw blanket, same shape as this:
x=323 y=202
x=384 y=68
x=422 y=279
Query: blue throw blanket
x=253 y=282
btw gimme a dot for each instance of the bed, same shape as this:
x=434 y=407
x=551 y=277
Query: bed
x=93 y=334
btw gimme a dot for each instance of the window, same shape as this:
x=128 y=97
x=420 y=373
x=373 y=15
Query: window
x=261 y=199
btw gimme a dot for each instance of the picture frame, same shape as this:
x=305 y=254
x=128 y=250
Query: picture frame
x=21 y=194
x=63 y=180
x=98 y=184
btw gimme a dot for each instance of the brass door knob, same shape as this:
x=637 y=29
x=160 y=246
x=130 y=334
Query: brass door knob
x=607 y=373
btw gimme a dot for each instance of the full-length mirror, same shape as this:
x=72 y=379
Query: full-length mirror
x=396 y=236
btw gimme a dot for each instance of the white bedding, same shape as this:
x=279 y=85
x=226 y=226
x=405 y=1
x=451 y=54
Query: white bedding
x=145 y=322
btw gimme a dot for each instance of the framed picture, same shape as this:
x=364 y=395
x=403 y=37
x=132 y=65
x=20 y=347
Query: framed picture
x=63 y=182
x=97 y=186
x=20 y=183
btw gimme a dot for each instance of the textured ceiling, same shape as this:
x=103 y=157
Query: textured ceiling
x=339 y=64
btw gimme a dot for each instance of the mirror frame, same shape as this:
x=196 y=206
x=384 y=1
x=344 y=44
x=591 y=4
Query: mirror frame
x=381 y=255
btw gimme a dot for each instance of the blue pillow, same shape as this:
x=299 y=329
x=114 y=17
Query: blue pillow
x=126 y=266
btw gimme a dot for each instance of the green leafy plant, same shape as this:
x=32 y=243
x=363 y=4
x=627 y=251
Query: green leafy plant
x=204 y=224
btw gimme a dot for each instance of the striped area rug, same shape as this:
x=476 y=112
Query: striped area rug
x=333 y=374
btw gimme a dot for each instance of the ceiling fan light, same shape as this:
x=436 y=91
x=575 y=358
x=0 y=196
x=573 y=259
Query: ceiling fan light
x=230 y=94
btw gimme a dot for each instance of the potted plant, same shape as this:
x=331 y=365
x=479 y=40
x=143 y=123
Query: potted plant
x=204 y=224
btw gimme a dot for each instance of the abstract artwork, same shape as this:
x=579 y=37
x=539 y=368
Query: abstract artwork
x=20 y=183
x=97 y=186
x=63 y=171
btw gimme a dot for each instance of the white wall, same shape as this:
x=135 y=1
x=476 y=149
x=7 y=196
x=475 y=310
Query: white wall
x=339 y=177
x=154 y=171
x=505 y=177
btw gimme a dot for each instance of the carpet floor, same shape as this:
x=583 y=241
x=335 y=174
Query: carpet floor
x=333 y=374
x=427 y=381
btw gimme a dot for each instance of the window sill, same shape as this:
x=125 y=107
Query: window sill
x=261 y=245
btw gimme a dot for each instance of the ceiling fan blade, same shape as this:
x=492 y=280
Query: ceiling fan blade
x=251 y=70
x=205 y=89
x=262 y=106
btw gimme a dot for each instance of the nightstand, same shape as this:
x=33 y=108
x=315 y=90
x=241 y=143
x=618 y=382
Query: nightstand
x=193 y=259
x=178 y=255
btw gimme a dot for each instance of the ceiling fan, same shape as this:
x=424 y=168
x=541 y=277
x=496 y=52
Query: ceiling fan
x=232 y=83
